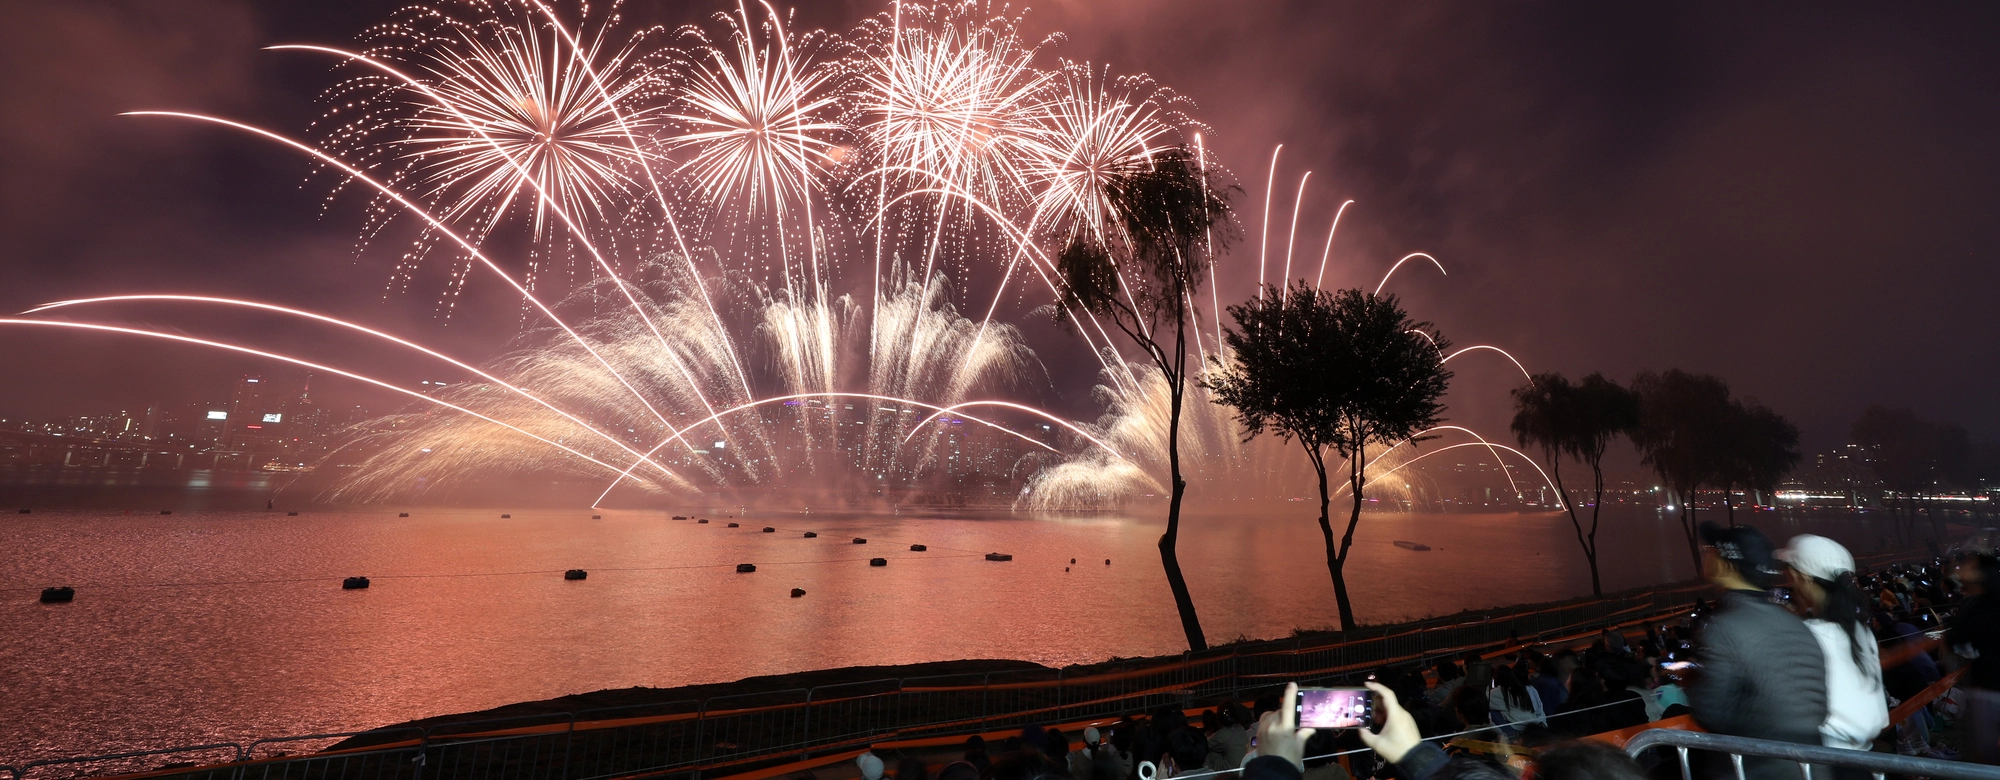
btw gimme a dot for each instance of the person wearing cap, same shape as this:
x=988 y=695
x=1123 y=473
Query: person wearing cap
x=1762 y=673
x=1857 y=708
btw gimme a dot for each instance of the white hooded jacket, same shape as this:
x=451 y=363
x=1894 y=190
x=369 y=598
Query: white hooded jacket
x=1857 y=709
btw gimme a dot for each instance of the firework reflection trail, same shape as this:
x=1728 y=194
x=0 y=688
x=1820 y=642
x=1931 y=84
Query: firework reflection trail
x=1503 y=353
x=351 y=326
x=1073 y=428
x=435 y=224
x=1264 y=244
x=1503 y=464
x=562 y=211
x=1327 y=253
x=1292 y=238
x=306 y=364
x=1399 y=264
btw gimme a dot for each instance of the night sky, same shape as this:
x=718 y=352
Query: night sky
x=1801 y=198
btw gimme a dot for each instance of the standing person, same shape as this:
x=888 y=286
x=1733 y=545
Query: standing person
x=1762 y=673
x=1975 y=636
x=1857 y=709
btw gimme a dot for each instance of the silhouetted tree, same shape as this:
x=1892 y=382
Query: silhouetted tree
x=1682 y=422
x=1577 y=421
x=1911 y=456
x=1338 y=371
x=1141 y=277
x=1758 y=448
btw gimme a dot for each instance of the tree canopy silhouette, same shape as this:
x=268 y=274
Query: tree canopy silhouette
x=1141 y=277
x=1575 y=421
x=1332 y=370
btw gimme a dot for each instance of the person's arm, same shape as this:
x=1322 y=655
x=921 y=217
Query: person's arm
x=1281 y=744
x=1402 y=744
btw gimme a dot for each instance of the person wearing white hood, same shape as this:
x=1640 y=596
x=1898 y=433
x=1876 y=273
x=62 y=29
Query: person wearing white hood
x=1823 y=578
x=870 y=765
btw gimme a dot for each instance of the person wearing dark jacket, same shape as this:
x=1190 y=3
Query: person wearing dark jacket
x=1974 y=635
x=1762 y=673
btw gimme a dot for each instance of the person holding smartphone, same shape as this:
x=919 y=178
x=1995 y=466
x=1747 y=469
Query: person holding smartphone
x=1281 y=750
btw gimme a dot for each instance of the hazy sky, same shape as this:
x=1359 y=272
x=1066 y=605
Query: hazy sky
x=1800 y=198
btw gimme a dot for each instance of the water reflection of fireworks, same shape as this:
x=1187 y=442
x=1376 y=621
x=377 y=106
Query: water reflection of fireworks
x=718 y=197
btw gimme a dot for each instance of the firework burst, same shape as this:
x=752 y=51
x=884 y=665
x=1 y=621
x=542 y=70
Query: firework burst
x=674 y=368
x=758 y=112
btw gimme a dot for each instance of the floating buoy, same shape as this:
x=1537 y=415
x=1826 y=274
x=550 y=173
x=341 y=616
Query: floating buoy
x=999 y=557
x=798 y=592
x=1107 y=561
x=1072 y=562
x=354 y=583
x=166 y=511
x=597 y=517
x=575 y=574
x=402 y=514
x=859 y=540
x=811 y=535
x=291 y=514
x=878 y=561
x=62 y=595
x=735 y=525
x=770 y=530
x=506 y=517
x=745 y=568
x=918 y=548
x=1065 y=569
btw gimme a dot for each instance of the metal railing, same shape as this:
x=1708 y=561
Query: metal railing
x=1809 y=758
x=728 y=733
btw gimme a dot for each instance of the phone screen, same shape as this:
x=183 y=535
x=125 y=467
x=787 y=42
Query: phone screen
x=1334 y=708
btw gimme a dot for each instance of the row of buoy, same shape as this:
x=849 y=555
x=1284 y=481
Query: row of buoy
x=66 y=594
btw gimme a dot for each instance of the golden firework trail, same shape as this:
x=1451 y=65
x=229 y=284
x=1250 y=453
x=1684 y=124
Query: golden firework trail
x=737 y=248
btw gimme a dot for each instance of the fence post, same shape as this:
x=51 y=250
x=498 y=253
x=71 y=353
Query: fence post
x=1059 y=695
x=700 y=747
x=985 y=695
x=806 y=730
x=569 y=738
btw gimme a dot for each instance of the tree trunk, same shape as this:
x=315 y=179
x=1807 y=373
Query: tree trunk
x=1596 y=505
x=1333 y=559
x=1169 y=559
x=1688 y=527
x=1562 y=492
x=1346 y=543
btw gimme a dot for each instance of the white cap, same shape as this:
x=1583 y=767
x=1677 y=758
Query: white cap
x=871 y=767
x=1091 y=735
x=1817 y=557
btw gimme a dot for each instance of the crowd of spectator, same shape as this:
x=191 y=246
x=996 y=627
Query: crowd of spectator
x=1800 y=646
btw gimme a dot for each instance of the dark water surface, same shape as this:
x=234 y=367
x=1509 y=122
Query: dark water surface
x=231 y=625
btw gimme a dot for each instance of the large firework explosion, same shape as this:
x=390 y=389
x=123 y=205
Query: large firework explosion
x=743 y=243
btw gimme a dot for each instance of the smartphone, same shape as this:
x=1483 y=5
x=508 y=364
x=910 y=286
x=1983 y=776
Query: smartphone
x=1335 y=708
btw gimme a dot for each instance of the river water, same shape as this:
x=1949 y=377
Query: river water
x=231 y=625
